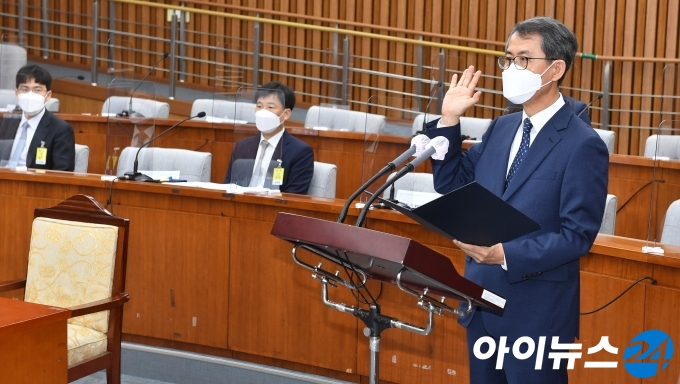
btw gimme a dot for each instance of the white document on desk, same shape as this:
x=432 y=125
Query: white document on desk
x=229 y=188
x=161 y=175
x=415 y=199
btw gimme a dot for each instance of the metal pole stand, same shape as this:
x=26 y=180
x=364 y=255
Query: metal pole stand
x=375 y=322
x=363 y=253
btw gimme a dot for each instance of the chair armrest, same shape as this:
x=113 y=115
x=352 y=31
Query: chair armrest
x=100 y=305
x=11 y=285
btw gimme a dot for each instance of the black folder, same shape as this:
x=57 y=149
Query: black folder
x=471 y=214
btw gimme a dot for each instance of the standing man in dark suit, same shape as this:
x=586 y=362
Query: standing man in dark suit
x=38 y=139
x=551 y=166
x=273 y=159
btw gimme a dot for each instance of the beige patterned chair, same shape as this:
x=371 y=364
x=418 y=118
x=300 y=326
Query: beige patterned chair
x=77 y=260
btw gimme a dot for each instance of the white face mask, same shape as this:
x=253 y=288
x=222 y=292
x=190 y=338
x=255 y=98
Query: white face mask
x=520 y=85
x=31 y=103
x=267 y=121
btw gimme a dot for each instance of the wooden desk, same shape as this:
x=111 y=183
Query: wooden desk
x=630 y=180
x=347 y=150
x=205 y=275
x=32 y=343
x=629 y=176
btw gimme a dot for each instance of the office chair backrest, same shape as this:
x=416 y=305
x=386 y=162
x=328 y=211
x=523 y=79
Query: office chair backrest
x=145 y=107
x=52 y=105
x=82 y=158
x=224 y=109
x=469 y=126
x=668 y=146
x=609 y=218
x=414 y=181
x=8 y=97
x=670 y=234
x=192 y=165
x=323 y=181
x=12 y=58
x=344 y=119
x=609 y=137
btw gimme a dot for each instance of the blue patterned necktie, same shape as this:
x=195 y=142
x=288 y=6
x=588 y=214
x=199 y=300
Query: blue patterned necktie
x=14 y=161
x=523 y=148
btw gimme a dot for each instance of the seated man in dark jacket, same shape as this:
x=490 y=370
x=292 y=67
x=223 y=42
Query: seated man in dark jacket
x=36 y=138
x=273 y=159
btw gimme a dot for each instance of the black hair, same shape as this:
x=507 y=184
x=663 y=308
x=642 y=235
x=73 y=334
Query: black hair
x=39 y=74
x=284 y=93
x=557 y=41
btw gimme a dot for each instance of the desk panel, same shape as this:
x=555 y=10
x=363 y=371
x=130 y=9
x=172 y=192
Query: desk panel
x=209 y=255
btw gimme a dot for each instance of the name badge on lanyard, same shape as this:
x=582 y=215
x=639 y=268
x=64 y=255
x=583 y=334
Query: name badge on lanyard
x=41 y=154
x=277 y=176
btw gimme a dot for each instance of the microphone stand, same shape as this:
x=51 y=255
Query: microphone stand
x=138 y=176
x=388 y=168
x=407 y=168
x=589 y=104
x=130 y=112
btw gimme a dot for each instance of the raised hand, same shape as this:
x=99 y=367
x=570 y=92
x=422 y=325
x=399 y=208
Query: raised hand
x=460 y=96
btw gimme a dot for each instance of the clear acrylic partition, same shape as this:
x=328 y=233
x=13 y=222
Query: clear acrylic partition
x=670 y=101
x=120 y=58
x=247 y=139
x=661 y=144
x=333 y=90
x=6 y=144
x=12 y=57
x=131 y=111
x=663 y=147
x=384 y=122
x=332 y=117
x=439 y=73
x=227 y=78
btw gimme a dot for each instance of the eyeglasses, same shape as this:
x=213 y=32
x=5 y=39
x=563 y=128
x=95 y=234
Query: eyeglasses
x=24 y=89
x=521 y=62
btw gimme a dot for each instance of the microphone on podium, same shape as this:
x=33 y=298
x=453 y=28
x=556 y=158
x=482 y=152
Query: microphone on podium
x=135 y=174
x=388 y=168
x=589 y=104
x=130 y=112
x=438 y=147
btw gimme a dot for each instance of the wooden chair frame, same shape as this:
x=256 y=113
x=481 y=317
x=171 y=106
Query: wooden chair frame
x=86 y=209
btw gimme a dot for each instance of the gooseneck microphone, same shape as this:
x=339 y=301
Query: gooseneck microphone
x=591 y=103
x=130 y=112
x=388 y=168
x=438 y=146
x=79 y=77
x=135 y=174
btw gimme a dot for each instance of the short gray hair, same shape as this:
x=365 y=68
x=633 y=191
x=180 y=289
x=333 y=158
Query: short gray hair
x=557 y=41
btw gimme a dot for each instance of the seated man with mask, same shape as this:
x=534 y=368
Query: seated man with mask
x=36 y=138
x=273 y=159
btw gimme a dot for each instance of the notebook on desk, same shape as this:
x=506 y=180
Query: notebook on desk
x=471 y=214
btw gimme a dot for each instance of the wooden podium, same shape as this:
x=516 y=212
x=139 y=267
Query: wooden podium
x=368 y=254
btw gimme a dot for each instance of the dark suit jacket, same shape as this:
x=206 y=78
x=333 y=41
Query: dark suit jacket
x=562 y=185
x=576 y=106
x=55 y=132
x=297 y=160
